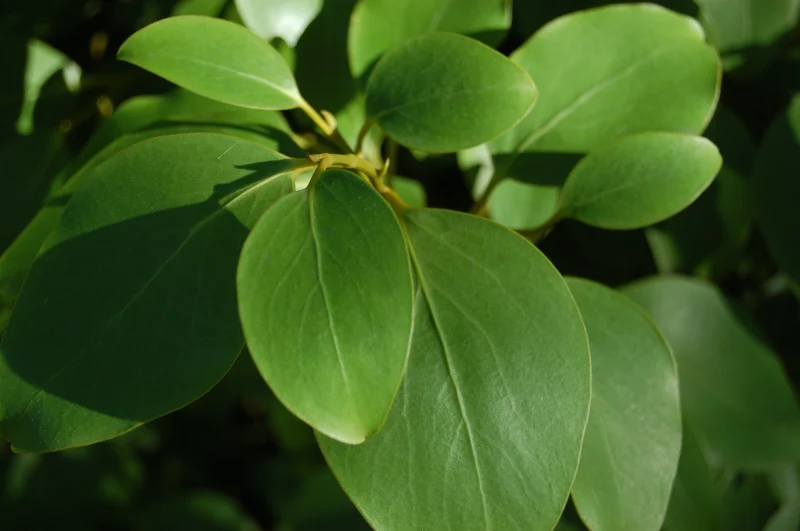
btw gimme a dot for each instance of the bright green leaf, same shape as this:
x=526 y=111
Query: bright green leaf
x=733 y=389
x=613 y=71
x=639 y=180
x=410 y=191
x=278 y=18
x=378 y=25
x=216 y=59
x=325 y=298
x=694 y=504
x=633 y=438
x=136 y=290
x=734 y=25
x=777 y=189
x=487 y=428
x=443 y=92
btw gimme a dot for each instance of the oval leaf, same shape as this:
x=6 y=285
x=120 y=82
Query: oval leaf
x=740 y=24
x=378 y=25
x=633 y=438
x=135 y=290
x=278 y=18
x=443 y=92
x=487 y=428
x=216 y=59
x=630 y=68
x=639 y=180
x=745 y=415
x=777 y=188
x=325 y=299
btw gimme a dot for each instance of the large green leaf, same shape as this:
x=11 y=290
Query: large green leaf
x=724 y=210
x=216 y=59
x=638 y=180
x=694 y=504
x=777 y=188
x=378 y=25
x=129 y=312
x=633 y=438
x=325 y=298
x=733 y=389
x=612 y=71
x=487 y=427
x=278 y=18
x=443 y=92
x=734 y=25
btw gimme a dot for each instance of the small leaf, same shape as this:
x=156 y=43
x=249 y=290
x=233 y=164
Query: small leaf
x=639 y=180
x=216 y=59
x=325 y=300
x=629 y=69
x=410 y=191
x=745 y=415
x=443 y=92
x=519 y=205
x=777 y=189
x=736 y=25
x=378 y=25
x=694 y=504
x=487 y=427
x=277 y=18
x=633 y=438
x=136 y=290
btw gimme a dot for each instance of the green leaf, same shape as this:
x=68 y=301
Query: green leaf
x=410 y=191
x=136 y=290
x=379 y=25
x=745 y=415
x=519 y=205
x=628 y=69
x=734 y=25
x=277 y=18
x=724 y=210
x=633 y=438
x=694 y=504
x=786 y=519
x=777 y=189
x=639 y=180
x=325 y=298
x=216 y=59
x=487 y=427
x=208 y=8
x=443 y=92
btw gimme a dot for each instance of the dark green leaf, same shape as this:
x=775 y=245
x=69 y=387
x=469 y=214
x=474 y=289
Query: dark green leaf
x=136 y=290
x=733 y=390
x=325 y=298
x=444 y=92
x=278 y=18
x=633 y=438
x=638 y=180
x=786 y=519
x=487 y=428
x=378 y=25
x=216 y=59
x=198 y=511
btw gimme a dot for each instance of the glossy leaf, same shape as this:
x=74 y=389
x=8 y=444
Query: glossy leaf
x=734 y=25
x=639 y=180
x=694 y=504
x=724 y=210
x=148 y=245
x=277 y=18
x=487 y=428
x=633 y=438
x=628 y=69
x=378 y=25
x=216 y=59
x=325 y=300
x=745 y=416
x=777 y=189
x=444 y=92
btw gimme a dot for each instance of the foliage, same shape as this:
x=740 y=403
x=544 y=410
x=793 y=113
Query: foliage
x=402 y=265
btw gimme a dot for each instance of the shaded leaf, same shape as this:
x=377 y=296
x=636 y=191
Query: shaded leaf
x=633 y=437
x=486 y=430
x=148 y=245
x=198 y=511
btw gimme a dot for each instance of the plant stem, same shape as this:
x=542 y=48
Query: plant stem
x=350 y=162
x=324 y=126
x=362 y=135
